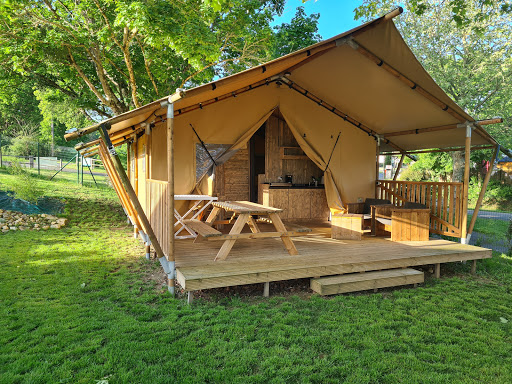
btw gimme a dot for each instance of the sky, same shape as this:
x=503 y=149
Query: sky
x=336 y=16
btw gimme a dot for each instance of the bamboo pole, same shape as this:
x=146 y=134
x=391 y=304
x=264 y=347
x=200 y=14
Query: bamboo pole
x=170 y=194
x=129 y=190
x=467 y=159
x=399 y=166
x=482 y=192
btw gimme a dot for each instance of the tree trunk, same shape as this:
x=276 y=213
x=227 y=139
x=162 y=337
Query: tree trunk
x=458 y=166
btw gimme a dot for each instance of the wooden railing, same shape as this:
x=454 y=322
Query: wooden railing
x=156 y=203
x=443 y=199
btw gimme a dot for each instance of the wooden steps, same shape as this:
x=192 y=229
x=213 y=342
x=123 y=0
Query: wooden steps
x=368 y=280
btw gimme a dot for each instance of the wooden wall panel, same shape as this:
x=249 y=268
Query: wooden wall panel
x=232 y=178
x=278 y=135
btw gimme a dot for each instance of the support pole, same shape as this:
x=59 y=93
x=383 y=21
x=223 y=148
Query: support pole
x=38 y=160
x=90 y=171
x=129 y=190
x=398 y=167
x=467 y=159
x=170 y=193
x=482 y=193
x=61 y=168
x=437 y=272
x=78 y=168
x=266 y=289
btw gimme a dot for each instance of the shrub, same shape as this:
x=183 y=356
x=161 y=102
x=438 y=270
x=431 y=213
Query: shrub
x=23 y=185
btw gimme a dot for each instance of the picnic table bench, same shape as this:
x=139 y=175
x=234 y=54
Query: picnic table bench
x=244 y=211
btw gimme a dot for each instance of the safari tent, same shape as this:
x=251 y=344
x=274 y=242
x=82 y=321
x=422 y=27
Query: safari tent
x=303 y=133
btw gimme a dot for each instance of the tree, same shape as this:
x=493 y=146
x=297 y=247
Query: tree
x=472 y=62
x=109 y=56
x=462 y=12
x=301 y=32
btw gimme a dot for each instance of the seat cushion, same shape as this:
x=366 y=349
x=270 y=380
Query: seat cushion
x=410 y=205
x=369 y=202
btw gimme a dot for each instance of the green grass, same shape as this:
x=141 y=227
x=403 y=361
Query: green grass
x=80 y=305
x=492 y=227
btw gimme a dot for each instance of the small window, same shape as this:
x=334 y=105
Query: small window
x=203 y=160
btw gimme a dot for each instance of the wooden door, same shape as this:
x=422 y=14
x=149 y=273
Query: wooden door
x=141 y=171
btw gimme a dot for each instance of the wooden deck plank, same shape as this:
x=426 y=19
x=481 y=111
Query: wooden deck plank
x=265 y=260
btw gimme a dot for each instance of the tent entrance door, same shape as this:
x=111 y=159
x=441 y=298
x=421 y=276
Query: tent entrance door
x=257 y=161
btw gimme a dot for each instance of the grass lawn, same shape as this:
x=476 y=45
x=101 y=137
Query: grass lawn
x=81 y=305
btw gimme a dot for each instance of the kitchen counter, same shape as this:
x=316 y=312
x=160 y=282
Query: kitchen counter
x=298 y=202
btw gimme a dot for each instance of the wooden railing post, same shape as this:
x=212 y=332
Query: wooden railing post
x=467 y=159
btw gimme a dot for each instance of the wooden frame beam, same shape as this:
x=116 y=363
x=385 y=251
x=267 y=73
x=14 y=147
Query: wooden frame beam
x=475 y=148
x=482 y=192
x=440 y=128
x=304 y=92
x=118 y=167
x=398 y=167
x=412 y=85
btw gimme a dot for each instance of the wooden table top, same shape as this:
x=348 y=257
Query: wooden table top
x=245 y=207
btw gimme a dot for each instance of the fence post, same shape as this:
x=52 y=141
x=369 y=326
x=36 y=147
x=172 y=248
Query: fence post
x=38 y=160
x=1 y=160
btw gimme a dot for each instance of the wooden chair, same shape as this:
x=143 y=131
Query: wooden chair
x=407 y=223
x=352 y=225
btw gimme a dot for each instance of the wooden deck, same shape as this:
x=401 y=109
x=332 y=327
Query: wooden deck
x=264 y=260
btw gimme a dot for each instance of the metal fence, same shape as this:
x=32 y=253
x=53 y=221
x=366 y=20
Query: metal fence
x=55 y=162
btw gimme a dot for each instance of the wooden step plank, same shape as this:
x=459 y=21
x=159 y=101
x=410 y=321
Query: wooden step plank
x=365 y=281
x=202 y=228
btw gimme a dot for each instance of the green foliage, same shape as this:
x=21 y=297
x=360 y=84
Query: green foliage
x=18 y=105
x=429 y=167
x=497 y=195
x=106 y=57
x=460 y=10
x=301 y=32
x=23 y=185
x=24 y=143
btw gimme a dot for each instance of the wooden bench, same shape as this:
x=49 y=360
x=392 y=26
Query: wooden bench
x=208 y=233
x=203 y=229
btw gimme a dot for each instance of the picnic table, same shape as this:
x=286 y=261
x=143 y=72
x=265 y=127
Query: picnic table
x=193 y=213
x=244 y=211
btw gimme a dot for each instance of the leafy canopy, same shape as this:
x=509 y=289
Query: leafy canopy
x=109 y=56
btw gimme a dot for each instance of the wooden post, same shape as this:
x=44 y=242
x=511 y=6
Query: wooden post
x=131 y=193
x=170 y=192
x=266 y=289
x=398 y=167
x=482 y=193
x=377 y=168
x=467 y=160
x=437 y=273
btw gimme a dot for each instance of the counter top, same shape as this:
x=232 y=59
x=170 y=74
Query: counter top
x=292 y=186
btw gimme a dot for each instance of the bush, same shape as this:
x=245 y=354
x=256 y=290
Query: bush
x=498 y=195
x=23 y=185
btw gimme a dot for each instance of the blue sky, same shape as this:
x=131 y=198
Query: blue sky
x=336 y=16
